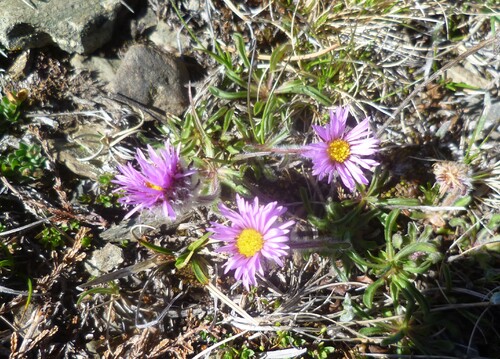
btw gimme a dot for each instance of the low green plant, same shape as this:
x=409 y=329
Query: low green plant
x=54 y=237
x=286 y=339
x=104 y=197
x=24 y=164
x=397 y=265
x=233 y=353
x=321 y=351
x=51 y=237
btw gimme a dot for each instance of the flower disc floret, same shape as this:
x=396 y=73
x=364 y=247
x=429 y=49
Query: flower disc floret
x=341 y=151
x=249 y=242
x=160 y=182
x=253 y=237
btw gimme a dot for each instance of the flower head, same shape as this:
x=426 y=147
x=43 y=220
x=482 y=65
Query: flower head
x=452 y=177
x=342 y=151
x=161 y=182
x=252 y=237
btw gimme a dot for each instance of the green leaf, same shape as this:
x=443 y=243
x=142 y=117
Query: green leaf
x=397 y=240
x=454 y=86
x=356 y=258
x=370 y=292
x=278 y=54
x=154 y=247
x=217 y=115
x=227 y=120
x=6 y=263
x=236 y=78
x=200 y=270
x=225 y=95
x=240 y=47
x=390 y=223
x=413 y=248
x=404 y=202
x=30 y=294
x=422 y=268
x=463 y=202
x=393 y=339
x=183 y=259
x=267 y=124
x=258 y=107
x=494 y=222
x=389 y=226
x=394 y=290
x=198 y=243
x=414 y=293
x=369 y=331
x=297 y=87
x=475 y=135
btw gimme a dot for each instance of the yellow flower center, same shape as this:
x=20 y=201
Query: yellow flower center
x=339 y=150
x=249 y=242
x=153 y=186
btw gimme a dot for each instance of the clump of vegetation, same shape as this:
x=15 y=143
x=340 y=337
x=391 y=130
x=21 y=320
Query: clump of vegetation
x=104 y=195
x=24 y=164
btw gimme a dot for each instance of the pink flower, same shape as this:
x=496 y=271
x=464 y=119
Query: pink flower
x=162 y=182
x=342 y=152
x=252 y=237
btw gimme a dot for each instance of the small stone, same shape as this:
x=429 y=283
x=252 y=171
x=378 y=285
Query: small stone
x=154 y=78
x=21 y=66
x=104 y=260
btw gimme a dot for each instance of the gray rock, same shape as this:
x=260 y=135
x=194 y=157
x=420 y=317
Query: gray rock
x=104 y=260
x=87 y=139
x=74 y=25
x=103 y=69
x=154 y=78
x=69 y=154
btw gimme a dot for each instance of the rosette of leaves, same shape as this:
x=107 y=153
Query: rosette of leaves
x=25 y=163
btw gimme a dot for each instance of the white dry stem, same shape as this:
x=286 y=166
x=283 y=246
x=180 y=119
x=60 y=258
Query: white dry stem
x=111 y=141
x=22 y=228
x=159 y=317
x=226 y=300
x=127 y=6
x=428 y=208
x=29 y=4
x=23 y=293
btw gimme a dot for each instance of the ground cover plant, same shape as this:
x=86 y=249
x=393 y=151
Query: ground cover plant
x=331 y=191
